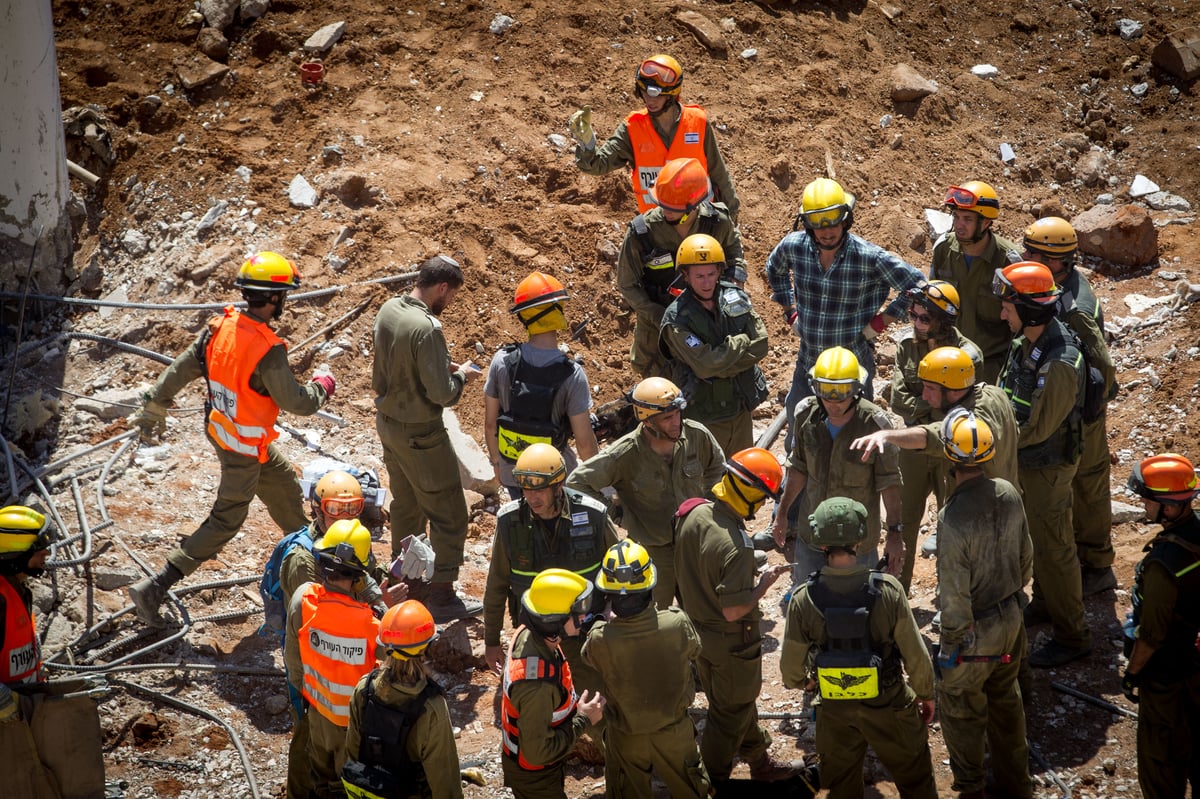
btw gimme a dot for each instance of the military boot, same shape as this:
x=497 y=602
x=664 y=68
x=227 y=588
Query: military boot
x=768 y=769
x=445 y=605
x=148 y=594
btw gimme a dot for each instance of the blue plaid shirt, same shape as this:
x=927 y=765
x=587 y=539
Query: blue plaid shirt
x=835 y=306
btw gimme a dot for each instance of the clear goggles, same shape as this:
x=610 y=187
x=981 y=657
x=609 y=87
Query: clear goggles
x=928 y=292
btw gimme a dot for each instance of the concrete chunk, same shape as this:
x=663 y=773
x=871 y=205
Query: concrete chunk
x=200 y=71
x=474 y=466
x=1179 y=53
x=325 y=38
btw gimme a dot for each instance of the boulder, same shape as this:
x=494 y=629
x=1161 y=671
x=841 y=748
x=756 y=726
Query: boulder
x=253 y=9
x=707 y=32
x=212 y=42
x=1179 y=53
x=909 y=85
x=1121 y=234
x=219 y=14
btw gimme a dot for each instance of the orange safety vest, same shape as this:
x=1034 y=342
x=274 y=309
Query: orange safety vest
x=337 y=648
x=241 y=419
x=20 y=656
x=650 y=154
x=557 y=671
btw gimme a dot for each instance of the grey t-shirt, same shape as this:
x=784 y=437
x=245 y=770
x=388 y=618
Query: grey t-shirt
x=574 y=396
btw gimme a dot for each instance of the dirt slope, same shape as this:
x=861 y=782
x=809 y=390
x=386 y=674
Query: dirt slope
x=432 y=134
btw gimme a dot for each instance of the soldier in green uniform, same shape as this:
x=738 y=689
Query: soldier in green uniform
x=1163 y=675
x=550 y=526
x=414 y=380
x=646 y=275
x=948 y=380
x=1044 y=380
x=821 y=465
x=933 y=311
x=1052 y=241
x=719 y=591
x=245 y=367
x=541 y=716
x=665 y=460
x=967 y=256
x=717 y=340
x=848 y=631
x=985 y=559
x=647 y=728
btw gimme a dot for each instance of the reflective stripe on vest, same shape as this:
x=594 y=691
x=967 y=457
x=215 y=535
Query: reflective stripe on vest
x=337 y=648
x=533 y=668
x=20 y=656
x=241 y=419
x=650 y=154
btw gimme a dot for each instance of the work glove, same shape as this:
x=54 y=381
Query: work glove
x=793 y=321
x=580 y=124
x=151 y=420
x=873 y=328
x=1129 y=686
x=326 y=382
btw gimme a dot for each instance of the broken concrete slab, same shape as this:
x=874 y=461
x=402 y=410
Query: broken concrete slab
x=474 y=466
x=200 y=70
x=325 y=38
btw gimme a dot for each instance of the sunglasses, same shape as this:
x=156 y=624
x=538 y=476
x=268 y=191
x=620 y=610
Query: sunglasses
x=923 y=318
x=342 y=508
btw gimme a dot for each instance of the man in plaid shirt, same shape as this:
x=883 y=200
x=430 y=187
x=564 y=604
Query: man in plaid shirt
x=832 y=284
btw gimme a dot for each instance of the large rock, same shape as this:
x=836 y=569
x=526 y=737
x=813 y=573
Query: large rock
x=253 y=9
x=909 y=85
x=707 y=32
x=1123 y=234
x=200 y=71
x=474 y=465
x=219 y=13
x=1179 y=53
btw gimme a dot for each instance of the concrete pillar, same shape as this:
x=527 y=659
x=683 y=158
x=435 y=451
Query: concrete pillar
x=33 y=170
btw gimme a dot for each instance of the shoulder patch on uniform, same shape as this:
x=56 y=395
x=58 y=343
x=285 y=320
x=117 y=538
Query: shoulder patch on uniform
x=435 y=322
x=692 y=341
x=509 y=507
x=587 y=502
x=881 y=418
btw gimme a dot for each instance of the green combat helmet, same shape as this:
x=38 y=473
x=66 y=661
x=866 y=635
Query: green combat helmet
x=838 y=522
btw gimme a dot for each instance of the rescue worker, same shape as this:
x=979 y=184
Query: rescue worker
x=415 y=380
x=400 y=741
x=1044 y=380
x=647 y=730
x=534 y=392
x=1051 y=241
x=665 y=460
x=719 y=591
x=541 y=716
x=832 y=285
x=49 y=731
x=716 y=340
x=848 y=631
x=933 y=311
x=549 y=527
x=249 y=381
x=967 y=255
x=646 y=275
x=822 y=466
x=646 y=140
x=948 y=380
x=984 y=562
x=1163 y=675
x=330 y=646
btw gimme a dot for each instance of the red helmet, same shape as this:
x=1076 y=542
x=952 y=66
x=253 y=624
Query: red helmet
x=682 y=185
x=757 y=468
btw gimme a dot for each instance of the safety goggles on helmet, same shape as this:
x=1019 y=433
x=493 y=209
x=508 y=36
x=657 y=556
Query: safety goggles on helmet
x=965 y=198
x=931 y=293
x=825 y=217
x=1003 y=288
x=536 y=481
x=834 y=391
x=342 y=507
x=663 y=77
x=626 y=573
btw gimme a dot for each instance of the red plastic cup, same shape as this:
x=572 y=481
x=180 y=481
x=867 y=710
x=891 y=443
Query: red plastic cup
x=312 y=73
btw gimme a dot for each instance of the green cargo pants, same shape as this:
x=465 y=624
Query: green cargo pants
x=644 y=355
x=923 y=475
x=326 y=756
x=1056 y=584
x=1092 y=504
x=664 y=590
x=670 y=753
x=426 y=489
x=243 y=479
x=730 y=671
x=734 y=435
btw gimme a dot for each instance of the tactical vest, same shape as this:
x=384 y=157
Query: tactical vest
x=1022 y=377
x=240 y=419
x=849 y=665
x=719 y=398
x=659 y=276
x=578 y=543
x=556 y=671
x=383 y=763
x=650 y=154
x=20 y=656
x=1179 y=551
x=528 y=419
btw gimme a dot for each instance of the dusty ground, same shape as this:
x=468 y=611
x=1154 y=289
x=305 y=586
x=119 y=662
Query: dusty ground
x=443 y=129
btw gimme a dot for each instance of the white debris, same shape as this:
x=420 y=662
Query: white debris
x=985 y=71
x=1142 y=186
x=301 y=194
x=501 y=23
x=939 y=222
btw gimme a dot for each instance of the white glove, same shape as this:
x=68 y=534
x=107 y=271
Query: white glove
x=580 y=124
x=418 y=560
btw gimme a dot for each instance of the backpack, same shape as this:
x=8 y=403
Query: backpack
x=1095 y=392
x=274 y=602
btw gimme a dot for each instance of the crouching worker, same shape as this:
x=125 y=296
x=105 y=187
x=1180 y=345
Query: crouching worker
x=400 y=742
x=49 y=731
x=648 y=729
x=330 y=646
x=540 y=715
